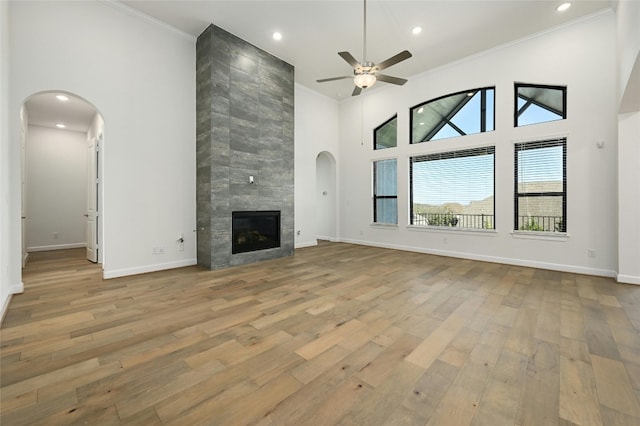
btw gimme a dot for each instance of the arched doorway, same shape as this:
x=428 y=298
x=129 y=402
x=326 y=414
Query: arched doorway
x=61 y=169
x=326 y=197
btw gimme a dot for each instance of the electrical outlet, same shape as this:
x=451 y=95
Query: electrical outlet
x=55 y=235
x=591 y=253
x=180 y=246
x=157 y=250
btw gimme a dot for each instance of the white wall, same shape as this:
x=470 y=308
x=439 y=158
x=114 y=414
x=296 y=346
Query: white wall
x=140 y=76
x=316 y=131
x=56 y=163
x=628 y=43
x=10 y=241
x=572 y=55
x=629 y=198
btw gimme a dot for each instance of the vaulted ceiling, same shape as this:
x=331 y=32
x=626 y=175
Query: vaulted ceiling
x=314 y=31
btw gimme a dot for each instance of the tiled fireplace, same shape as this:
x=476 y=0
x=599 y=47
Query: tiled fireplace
x=244 y=110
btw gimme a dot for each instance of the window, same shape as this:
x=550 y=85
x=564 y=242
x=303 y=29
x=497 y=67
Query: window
x=458 y=114
x=538 y=104
x=453 y=189
x=386 y=134
x=541 y=186
x=385 y=193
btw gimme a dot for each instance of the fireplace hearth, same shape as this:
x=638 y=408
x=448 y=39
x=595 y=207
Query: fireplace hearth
x=254 y=230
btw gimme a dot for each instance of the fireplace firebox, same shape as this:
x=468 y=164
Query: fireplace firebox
x=254 y=230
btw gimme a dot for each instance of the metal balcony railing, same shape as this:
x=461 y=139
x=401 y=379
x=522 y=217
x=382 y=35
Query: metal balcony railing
x=485 y=221
x=542 y=223
x=475 y=221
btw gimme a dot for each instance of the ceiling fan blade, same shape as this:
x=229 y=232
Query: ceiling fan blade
x=356 y=91
x=405 y=54
x=390 y=79
x=334 y=78
x=350 y=59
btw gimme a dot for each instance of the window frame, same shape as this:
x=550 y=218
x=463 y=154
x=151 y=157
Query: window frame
x=516 y=110
x=483 y=113
x=539 y=144
x=375 y=133
x=438 y=156
x=377 y=197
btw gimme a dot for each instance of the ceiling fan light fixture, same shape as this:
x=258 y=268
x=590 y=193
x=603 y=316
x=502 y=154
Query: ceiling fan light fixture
x=364 y=80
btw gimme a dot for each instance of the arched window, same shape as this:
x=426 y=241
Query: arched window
x=457 y=114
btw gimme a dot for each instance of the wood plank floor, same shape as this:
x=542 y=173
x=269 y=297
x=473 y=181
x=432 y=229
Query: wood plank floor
x=336 y=334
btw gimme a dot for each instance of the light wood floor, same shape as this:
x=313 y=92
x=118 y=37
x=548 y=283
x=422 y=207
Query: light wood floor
x=336 y=334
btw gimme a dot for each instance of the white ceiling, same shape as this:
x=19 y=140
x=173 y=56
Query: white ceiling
x=315 y=31
x=44 y=109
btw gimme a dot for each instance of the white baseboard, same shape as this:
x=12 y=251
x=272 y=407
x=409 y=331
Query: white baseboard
x=495 y=259
x=57 y=247
x=307 y=244
x=149 y=268
x=332 y=239
x=25 y=259
x=15 y=289
x=628 y=279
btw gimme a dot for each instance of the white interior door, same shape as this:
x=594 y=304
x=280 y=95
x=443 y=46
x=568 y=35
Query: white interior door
x=92 y=200
x=23 y=144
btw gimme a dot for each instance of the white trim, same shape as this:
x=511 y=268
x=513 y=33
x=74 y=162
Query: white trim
x=543 y=138
x=307 y=244
x=546 y=236
x=628 y=279
x=5 y=307
x=57 y=247
x=15 y=289
x=325 y=238
x=494 y=259
x=25 y=259
x=453 y=230
x=149 y=268
x=383 y=225
x=134 y=12
x=312 y=92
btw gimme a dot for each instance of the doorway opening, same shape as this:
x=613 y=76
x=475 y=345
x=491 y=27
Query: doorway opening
x=62 y=137
x=326 y=197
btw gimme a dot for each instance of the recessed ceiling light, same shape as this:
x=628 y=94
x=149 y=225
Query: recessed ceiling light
x=277 y=36
x=62 y=98
x=563 y=7
x=60 y=126
x=416 y=30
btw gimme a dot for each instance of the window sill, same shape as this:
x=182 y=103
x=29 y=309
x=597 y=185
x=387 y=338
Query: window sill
x=544 y=236
x=384 y=225
x=450 y=230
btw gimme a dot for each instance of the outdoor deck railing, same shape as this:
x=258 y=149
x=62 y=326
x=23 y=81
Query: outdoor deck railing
x=485 y=221
x=477 y=221
x=541 y=223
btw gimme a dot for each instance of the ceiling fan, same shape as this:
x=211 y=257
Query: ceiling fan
x=365 y=73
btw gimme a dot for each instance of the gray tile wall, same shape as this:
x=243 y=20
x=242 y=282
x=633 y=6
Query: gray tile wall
x=244 y=111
